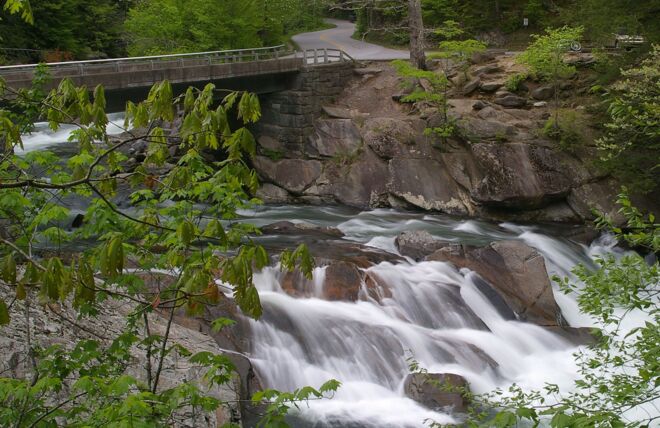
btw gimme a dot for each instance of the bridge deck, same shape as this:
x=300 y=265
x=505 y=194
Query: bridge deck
x=125 y=73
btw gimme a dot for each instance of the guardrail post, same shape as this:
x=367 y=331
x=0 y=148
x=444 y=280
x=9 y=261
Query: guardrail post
x=152 y=64
x=325 y=55
x=81 y=70
x=117 y=66
x=316 y=56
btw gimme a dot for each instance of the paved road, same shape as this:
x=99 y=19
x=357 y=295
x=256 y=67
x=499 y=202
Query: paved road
x=340 y=38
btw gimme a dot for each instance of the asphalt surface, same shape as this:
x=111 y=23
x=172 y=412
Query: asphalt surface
x=340 y=38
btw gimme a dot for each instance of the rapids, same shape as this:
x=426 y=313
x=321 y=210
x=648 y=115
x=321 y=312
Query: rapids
x=436 y=315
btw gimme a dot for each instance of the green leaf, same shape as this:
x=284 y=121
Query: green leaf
x=221 y=323
x=4 y=313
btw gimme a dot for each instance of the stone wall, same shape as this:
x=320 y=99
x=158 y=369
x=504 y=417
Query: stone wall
x=288 y=116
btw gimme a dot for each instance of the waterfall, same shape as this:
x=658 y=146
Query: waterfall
x=43 y=137
x=435 y=313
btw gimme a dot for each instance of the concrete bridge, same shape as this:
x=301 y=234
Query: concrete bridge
x=292 y=86
x=122 y=74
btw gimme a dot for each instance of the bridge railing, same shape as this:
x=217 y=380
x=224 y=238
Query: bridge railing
x=323 y=56
x=147 y=63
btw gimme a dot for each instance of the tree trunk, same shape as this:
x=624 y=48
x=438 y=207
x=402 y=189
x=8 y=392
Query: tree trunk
x=417 y=39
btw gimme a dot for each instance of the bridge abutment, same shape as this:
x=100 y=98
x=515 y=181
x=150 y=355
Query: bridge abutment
x=288 y=116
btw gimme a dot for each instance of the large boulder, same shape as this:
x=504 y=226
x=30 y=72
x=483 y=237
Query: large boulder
x=335 y=137
x=437 y=390
x=426 y=183
x=417 y=244
x=520 y=176
x=516 y=271
x=293 y=175
x=343 y=281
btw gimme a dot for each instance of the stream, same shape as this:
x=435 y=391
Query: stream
x=435 y=314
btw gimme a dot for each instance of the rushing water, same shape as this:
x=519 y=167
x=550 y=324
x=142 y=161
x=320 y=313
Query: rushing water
x=42 y=137
x=436 y=314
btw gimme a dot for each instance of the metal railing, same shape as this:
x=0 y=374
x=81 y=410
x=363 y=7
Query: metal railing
x=159 y=62
x=164 y=62
x=323 y=56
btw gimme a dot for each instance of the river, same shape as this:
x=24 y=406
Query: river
x=435 y=314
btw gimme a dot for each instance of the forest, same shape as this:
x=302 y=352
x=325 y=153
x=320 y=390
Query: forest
x=77 y=29
x=449 y=224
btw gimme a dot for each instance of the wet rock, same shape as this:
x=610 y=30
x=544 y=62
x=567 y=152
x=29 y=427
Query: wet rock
x=333 y=137
x=511 y=101
x=517 y=272
x=543 y=93
x=343 y=281
x=471 y=86
x=293 y=175
x=290 y=228
x=575 y=335
x=377 y=289
x=437 y=390
x=417 y=244
x=271 y=194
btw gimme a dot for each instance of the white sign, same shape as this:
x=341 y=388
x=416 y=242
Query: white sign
x=526 y=22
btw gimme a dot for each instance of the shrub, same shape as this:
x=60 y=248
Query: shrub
x=566 y=128
x=515 y=81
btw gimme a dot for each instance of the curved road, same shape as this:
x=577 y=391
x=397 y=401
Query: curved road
x=340 y=38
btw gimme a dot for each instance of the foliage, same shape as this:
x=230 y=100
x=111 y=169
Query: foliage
x=73 y=28
x=545 y=55
x=631 y=144
x=172 y=26
x=603 y=18
x=436 y=97
x=455 y=50
x=21 y=7
x=544 y=58
x=180 y=222
x=280 y=404
x=515 y=81
x=620 y=373
x=567 y=128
